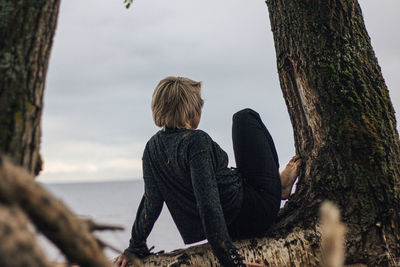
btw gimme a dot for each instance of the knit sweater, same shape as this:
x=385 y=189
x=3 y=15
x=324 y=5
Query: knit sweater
x=188 y=171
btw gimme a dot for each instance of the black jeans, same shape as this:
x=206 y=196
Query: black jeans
x=257 y=162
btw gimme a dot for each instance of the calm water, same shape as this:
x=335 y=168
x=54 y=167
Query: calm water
x=113 y=203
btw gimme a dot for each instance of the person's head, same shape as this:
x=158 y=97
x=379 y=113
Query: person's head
x=177 y=103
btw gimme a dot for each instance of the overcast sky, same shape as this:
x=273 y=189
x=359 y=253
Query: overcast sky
x=106 y=62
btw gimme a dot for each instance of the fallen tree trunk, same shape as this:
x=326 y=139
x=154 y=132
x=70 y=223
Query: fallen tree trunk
x=298 y=248
x=320 y=245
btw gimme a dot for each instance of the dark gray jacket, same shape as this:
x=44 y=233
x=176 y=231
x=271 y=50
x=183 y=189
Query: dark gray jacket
x=188 y=170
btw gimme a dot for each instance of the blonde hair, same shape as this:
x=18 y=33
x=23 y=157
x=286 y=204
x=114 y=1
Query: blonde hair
x=176 y=102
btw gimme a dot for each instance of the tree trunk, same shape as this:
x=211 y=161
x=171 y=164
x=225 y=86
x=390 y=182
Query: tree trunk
x=297 y=248
x=343 y=122
x=345 y=131
x=26 y=34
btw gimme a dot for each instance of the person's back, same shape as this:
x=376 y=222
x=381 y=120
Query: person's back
x=168 y=156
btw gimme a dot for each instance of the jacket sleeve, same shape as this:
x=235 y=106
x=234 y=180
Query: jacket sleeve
x=148 y=212
x=208 y=202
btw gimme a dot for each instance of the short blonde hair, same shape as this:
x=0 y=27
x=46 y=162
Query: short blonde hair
x=176 y=102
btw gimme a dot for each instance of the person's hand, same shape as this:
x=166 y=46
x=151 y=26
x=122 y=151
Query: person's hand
x=250 y=264
x=121 y=260
x=125 y=258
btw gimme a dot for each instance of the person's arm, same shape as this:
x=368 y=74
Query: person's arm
x=148 y=212
x=208 y=202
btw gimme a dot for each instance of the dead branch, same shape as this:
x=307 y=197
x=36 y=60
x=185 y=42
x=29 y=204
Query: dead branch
x=18 y=246
x=50 y=216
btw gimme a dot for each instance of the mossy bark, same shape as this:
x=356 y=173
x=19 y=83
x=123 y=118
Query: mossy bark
x=26 y=33
x=343 y=121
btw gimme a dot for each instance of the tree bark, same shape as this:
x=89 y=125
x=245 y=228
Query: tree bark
x=343 y=122
x=27 y=29
x=17 y=239
x=50 y=216
x=26 y=34
x=297 y=248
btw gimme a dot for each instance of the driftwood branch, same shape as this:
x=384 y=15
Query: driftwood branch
x=18 y=246
x=50 y=216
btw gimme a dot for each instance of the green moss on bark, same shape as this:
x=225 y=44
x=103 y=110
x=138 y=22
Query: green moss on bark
x=348 y=117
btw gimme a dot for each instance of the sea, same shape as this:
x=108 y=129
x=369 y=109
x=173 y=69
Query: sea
x=113 y=203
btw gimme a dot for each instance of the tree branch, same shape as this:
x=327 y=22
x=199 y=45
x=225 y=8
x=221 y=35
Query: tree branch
x=50 y=216
x=18 y=245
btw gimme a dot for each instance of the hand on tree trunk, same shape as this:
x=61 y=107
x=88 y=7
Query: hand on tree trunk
x=127 y=259
x=249 y=264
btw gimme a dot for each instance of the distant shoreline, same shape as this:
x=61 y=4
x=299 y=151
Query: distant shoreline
x=91 y=182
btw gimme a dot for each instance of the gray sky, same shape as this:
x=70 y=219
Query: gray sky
x=106 y=61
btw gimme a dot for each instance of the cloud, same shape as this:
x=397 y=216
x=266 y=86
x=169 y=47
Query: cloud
x=64 y=167
x=86 y=161
x=103 y=170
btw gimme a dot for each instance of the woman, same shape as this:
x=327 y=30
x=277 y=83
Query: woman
x=187 y=170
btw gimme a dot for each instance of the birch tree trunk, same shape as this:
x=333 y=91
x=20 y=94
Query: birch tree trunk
x=26 y=34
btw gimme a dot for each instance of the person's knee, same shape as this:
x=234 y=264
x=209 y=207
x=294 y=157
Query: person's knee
x=244 y=113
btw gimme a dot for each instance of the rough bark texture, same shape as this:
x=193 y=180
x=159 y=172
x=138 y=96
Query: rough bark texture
x=50 y=216
x=343 y=122
x=26 y=33
x=18 y=246
x=296 y=249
